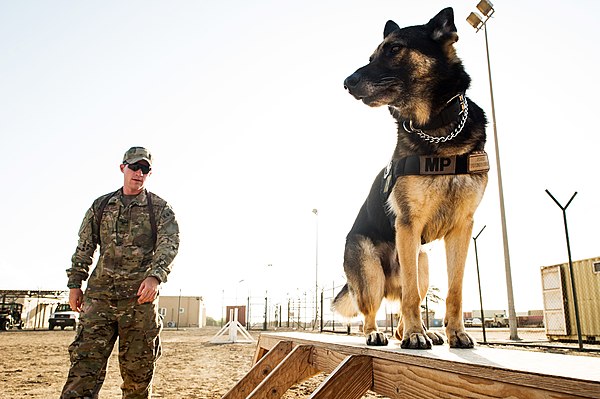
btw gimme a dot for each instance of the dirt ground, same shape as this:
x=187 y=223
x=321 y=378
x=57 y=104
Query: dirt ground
x=34 y=364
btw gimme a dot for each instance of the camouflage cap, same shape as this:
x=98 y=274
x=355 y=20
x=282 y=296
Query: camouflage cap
x=136 y=154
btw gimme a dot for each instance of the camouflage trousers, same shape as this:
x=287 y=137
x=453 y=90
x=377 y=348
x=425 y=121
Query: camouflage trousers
x=101 y=323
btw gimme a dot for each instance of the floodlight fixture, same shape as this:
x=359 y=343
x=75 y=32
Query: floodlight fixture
x=486 y=8
x=475 y=20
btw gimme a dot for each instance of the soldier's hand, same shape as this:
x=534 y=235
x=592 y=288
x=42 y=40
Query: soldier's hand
x=148 y=290
x=76 y=299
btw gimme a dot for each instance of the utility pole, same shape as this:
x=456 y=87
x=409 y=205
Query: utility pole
x=575 y=303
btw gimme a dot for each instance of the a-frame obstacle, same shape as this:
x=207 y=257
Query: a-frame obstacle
x=284 y=359
x=229 y=332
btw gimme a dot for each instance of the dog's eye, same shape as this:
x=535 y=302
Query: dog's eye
x=395 y=50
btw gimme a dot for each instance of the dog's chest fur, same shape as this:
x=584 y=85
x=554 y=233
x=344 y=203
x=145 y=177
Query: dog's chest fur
x=433 y=205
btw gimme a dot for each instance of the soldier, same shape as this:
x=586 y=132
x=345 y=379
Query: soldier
x=138 y=238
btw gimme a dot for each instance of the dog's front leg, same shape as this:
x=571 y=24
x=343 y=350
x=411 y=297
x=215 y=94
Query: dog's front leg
x=408 y=244
x=457 y=246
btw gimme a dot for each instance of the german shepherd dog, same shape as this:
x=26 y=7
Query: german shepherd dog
x=430 y=189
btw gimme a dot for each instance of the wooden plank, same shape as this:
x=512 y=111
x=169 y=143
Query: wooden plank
x=350 y=380
x=294 y=368
x=259 y=371
x=554 y=374
x=327 y=360
x=401 y=381
x=259 y=353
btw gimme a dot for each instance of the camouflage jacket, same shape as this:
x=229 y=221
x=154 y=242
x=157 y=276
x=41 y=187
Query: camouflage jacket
x=127 y=254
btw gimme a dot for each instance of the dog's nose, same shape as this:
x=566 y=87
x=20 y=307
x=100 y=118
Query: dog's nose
x=351 y=81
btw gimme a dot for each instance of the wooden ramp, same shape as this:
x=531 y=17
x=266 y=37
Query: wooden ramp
x=284 y=359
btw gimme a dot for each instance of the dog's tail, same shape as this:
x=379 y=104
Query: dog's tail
x=344 y=304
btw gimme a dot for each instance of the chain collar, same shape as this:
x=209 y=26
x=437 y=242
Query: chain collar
x=464 y=105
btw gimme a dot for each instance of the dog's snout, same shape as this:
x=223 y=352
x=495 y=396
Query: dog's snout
x=351 y=81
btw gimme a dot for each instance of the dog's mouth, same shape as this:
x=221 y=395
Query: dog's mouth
x=371 y=93
x=371 y=99
x=374 y=101
x=359 y=96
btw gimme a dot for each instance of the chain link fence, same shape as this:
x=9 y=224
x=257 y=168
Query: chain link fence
x=302 y=312
x=571 y=308
x=269 y=313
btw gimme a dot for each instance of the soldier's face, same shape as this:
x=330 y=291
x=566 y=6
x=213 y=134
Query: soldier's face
x=133 y=181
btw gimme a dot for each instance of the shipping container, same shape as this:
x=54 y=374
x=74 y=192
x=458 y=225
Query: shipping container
x=559 y=304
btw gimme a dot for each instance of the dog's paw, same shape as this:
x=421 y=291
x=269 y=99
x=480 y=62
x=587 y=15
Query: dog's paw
x=436 y=338
x=460 y=339
x=416 y=341
x=377 y=338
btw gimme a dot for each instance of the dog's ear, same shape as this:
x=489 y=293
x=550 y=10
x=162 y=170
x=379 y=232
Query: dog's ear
x=390 y=27
x=442 y=27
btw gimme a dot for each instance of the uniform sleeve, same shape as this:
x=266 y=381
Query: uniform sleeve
x=83 y=257
x=167 y=244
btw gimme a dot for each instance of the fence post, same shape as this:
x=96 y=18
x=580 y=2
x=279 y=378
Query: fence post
x=333 y=314
x=305 y=311
x=248 y=322
x=248 y=314
x=298 y=313
x=479 y=285
x=266 y=309
x=321 y=327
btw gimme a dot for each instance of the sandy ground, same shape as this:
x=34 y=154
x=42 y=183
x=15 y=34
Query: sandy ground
x=34 y=364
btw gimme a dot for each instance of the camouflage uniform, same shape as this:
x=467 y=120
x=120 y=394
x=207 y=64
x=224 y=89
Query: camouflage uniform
x=110 y=308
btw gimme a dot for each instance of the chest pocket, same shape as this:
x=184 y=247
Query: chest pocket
x=139 y=229
x=108 y=232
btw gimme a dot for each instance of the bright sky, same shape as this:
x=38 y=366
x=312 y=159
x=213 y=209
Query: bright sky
x=243 y=106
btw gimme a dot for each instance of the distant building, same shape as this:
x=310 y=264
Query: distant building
x=182 y=311
x=241 y=314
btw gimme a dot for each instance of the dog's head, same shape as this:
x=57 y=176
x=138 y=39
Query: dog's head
x=415 y=69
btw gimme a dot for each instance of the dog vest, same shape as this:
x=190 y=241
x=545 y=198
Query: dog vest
x=420 y=165
x=427 y=165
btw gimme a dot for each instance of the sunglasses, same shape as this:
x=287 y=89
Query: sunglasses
x=137 y=166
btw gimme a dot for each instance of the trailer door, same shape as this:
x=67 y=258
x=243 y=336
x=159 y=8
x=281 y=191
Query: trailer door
x=554 y=304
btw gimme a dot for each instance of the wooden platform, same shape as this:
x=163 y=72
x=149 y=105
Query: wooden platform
x=284 y=359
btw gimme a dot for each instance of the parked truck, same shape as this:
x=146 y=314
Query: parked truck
x=499 y=320
x=10 y=316
x=63 y=317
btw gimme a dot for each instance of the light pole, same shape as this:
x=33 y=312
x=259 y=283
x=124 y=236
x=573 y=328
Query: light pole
x=476 y=21
x=236 y=291
x=316 y=212
x=479 y=284
x=575 y=303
